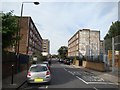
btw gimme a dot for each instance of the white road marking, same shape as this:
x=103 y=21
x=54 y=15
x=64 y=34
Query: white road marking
x=94 y=82
x=46 y=86
x=100 y=83
x=82 y=80
x=78 y=73
x=68 y=71
x=95 y=88
x=65 y=69
x=102 y=79
x=43 y=87
x=71 y=72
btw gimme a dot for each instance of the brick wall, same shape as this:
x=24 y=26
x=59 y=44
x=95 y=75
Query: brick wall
x=94 y=65
x=9 y=59
x=24 y=35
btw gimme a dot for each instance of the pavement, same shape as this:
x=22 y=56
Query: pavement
x=18 y=80
x=113 y=77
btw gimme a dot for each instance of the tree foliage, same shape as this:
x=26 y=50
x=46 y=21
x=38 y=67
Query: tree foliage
x=9 y=29
x=62 y=52
x=114 y=30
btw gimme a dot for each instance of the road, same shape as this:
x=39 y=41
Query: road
x=66 y=76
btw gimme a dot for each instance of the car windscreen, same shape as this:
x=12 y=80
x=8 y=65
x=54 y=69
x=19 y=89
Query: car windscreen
x=46 y=64
x=38 y=69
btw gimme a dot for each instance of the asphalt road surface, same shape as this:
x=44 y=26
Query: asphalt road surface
x=68 y=77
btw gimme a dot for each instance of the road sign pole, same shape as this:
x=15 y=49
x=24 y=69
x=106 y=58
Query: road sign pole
x=113 y=55
x=12 y=74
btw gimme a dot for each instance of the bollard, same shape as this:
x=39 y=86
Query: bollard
x=12 y=74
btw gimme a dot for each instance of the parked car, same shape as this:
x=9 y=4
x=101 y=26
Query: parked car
x=64 y=61
x=67 y=61
x=47 y=63
x=38 y=73
x=61 y=60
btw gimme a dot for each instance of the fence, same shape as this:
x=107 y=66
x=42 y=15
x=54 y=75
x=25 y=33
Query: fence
x=9 y=59
x=111 y=52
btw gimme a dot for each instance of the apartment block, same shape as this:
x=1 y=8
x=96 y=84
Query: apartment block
x=101 y=47
x=73 y=45
x=45 y=47
x=85 y=42
x=31 y=40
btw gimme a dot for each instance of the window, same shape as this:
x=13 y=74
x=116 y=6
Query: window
x=30 y=41
x=38 y=69
x=77 y=41
x=77 y=35
x=31 y=33
x=30 y=48
x=31 y=25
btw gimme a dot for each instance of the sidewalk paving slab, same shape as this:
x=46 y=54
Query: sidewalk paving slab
x=18 y=80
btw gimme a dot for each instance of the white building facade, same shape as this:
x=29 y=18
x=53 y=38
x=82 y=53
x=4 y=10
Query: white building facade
x=45 y=47
x=85 y=42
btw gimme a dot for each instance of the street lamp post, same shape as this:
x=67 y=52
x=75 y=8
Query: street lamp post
x=36 y=3
x=89 y=47
x=20 y=21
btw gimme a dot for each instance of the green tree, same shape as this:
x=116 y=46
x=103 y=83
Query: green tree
x=114 y=30
x=9 y=29
x=62 y=52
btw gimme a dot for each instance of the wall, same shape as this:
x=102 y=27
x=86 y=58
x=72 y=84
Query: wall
x=9 y=59
x=77 y=62
x=89 y=42
x=24 y=35
x=117 y=61
x=94 y=65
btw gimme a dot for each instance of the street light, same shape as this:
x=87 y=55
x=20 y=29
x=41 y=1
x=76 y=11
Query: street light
x=36 y=3
x=20 y=21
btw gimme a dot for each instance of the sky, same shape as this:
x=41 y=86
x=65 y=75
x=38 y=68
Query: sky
x=59 y=20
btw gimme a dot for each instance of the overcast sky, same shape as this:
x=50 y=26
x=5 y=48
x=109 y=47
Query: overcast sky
x=58 y=20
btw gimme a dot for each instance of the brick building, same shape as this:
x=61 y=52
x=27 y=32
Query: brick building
x=31 y=40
